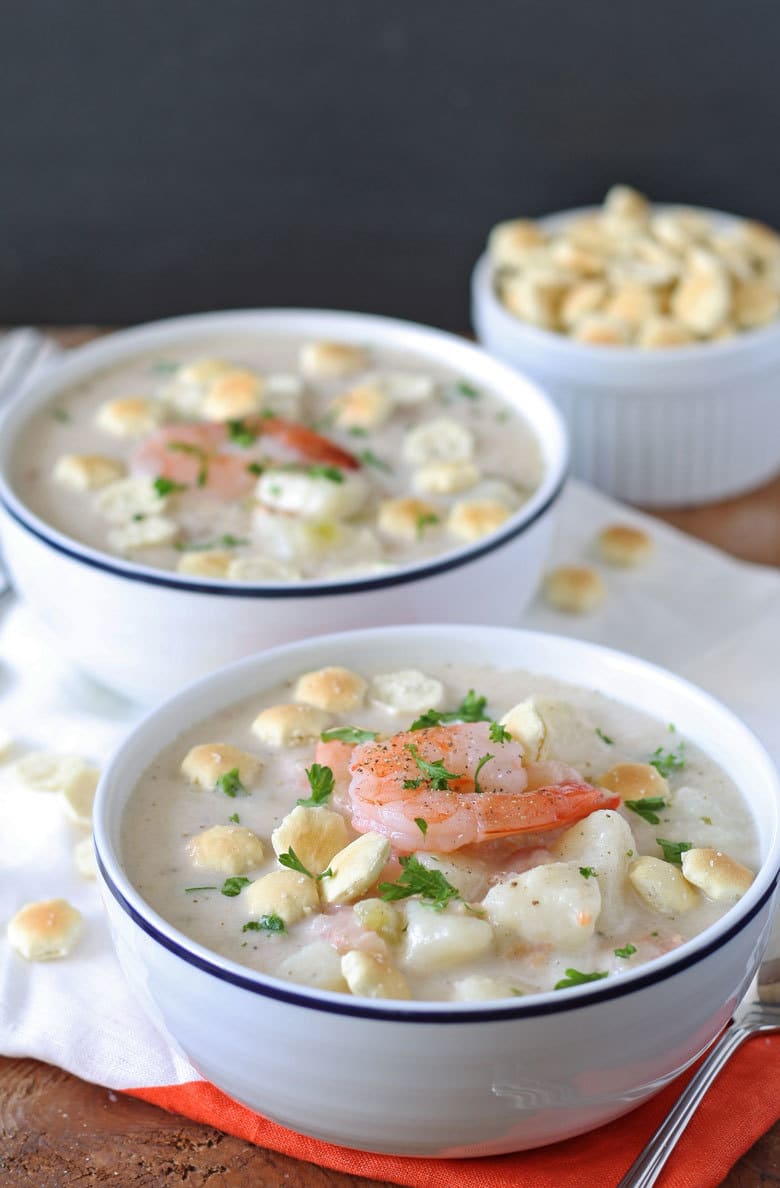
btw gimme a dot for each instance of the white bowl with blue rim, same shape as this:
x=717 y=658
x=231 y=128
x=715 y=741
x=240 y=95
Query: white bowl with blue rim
x=146 y=632
x=432 y=1078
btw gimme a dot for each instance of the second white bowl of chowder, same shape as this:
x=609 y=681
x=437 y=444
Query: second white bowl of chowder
x=479 y=853
x=207 y=486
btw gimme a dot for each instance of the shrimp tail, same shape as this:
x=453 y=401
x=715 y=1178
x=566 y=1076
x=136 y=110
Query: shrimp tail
x=303 y=441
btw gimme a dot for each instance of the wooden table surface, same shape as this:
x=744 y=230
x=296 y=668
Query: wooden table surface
x=57 y=1130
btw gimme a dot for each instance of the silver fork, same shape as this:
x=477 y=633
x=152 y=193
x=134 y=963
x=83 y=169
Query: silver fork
x=751 y=1018
x=23 y=353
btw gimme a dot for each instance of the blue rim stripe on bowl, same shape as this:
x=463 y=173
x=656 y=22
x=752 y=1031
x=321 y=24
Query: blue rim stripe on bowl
x=516 y=1010
x=296 y=590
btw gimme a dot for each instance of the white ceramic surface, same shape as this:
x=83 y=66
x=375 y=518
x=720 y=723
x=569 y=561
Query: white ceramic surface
x=444 y=1079
x=660 y=427
x=146 y=632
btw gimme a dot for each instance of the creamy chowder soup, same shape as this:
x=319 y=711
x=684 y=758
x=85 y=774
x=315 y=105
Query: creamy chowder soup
x=458 y=834
x=277 y=460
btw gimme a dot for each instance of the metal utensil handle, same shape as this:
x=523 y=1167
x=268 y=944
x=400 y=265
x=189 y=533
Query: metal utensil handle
x=644 y=1171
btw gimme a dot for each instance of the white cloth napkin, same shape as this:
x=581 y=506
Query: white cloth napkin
x=692 y=609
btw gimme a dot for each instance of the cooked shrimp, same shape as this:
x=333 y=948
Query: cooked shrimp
x=199 y=453
x=337 y=755
x=341 y=928
x=302 y=441
x=468 y=798
x=191 y=454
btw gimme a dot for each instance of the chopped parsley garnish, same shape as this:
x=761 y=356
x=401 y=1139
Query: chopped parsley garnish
x=293 y=862
x=321 y=782
x=587 y=872
x=348 y=734
x=483 y=760
x=234 y=885
x=188 y=890
x=275 y=490
x=327 y=472
x=648 y=809
x=165 y=486
x=412 y=783
x=626 y=951
x=230 y=783
x=467 y=389
x=436 y=771
x=421 y=824
x=358 y=431
x=515 y=992
x=426 y=520
x=575 y=978
x=499 y=733
x=673 y=850
x=59 y=414
x=370 y=459
x=605 y=737
x=226 y=541
x=240 y=435
x=471 y=709
x=255 y=468
x=667 y=762
x=707 y=820
x=234 y=818
x=138 y=517
x=272 y=923
x=416 y=879
x=165 y=367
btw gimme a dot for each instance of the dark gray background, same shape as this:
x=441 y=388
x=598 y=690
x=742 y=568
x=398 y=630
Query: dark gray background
x=161 y=157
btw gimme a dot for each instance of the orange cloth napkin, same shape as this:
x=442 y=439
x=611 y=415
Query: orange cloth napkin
x=742 y=1105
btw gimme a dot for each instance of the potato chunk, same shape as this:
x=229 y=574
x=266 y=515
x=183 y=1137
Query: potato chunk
x=317 y=965
x=552 y=905
x=381 y=918
x=369 y=977
x=438 y=940
x=604 y=843
x=468 y=875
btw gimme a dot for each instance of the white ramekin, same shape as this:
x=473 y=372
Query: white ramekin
x=664 y=427
x=428 y=1078
x=146 y=632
